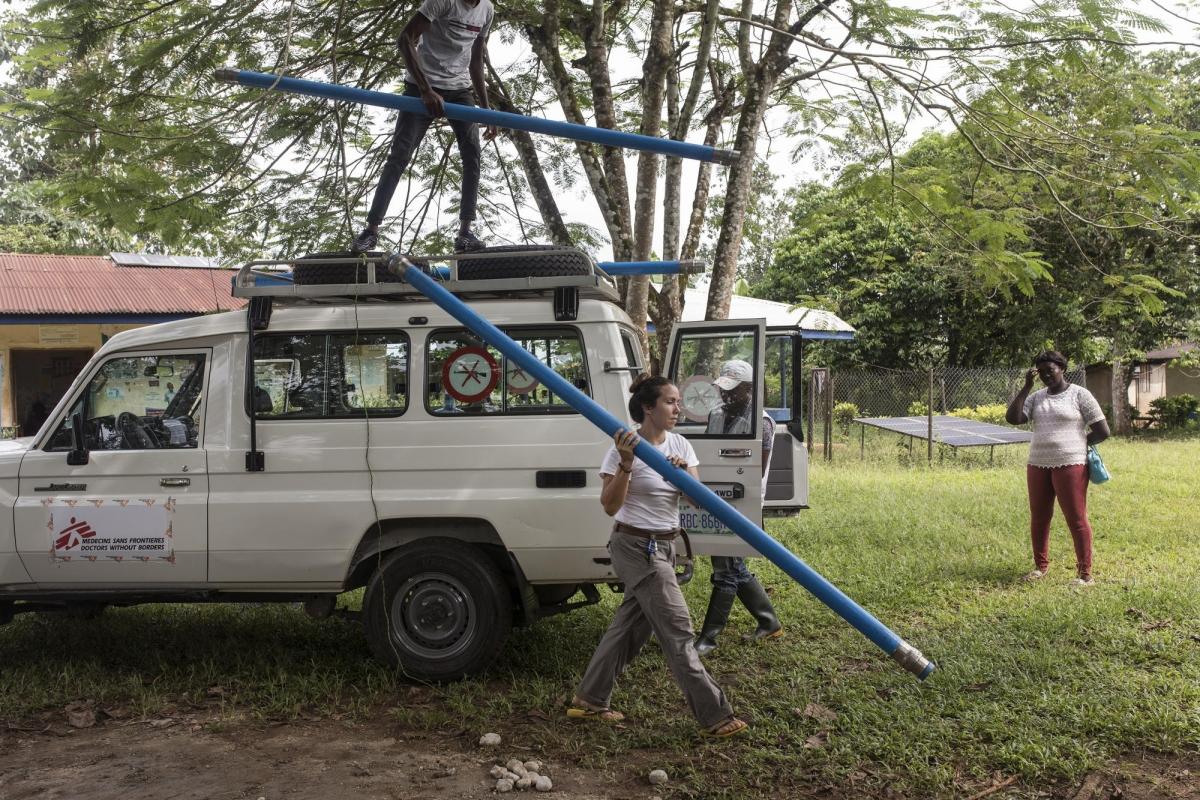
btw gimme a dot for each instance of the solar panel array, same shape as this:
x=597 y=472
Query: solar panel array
x=952 y=431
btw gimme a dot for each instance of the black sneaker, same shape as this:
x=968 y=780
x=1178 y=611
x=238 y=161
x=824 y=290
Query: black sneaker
x=365 y=241
x=468 y=243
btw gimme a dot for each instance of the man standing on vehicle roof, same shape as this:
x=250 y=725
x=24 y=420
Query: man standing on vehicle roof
x=444 y=45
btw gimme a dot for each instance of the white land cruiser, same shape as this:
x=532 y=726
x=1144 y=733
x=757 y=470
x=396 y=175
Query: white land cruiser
x=338 y=435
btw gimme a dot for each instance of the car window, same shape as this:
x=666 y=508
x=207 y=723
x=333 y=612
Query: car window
x=632 y=348
x=778 y=378
x=709 y=408
x=467 y=377
x=331 y=375
x=150 y=402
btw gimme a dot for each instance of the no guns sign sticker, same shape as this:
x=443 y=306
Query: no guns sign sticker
x=470 y=374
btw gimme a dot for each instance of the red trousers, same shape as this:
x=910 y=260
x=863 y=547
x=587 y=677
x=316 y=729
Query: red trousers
x=1069 y=484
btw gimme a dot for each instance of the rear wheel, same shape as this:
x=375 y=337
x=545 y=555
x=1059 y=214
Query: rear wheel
x=438 y=610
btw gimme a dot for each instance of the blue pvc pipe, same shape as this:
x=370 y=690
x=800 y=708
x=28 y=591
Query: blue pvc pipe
x=483 y=116
x=651 y=267
x=910 y=658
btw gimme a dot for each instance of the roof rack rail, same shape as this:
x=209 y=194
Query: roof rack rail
x=273 y=278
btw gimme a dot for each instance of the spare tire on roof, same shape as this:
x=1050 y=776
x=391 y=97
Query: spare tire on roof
x=538 y=261
x=322 y=268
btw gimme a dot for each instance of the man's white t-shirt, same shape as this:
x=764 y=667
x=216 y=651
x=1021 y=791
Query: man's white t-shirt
x=651 y=502
x=445 y=49
x=1060 y=425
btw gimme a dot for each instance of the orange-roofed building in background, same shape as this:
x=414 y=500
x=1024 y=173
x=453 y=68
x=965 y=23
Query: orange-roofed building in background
x=55 y=311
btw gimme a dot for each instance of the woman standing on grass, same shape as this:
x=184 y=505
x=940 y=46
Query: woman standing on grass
x=1066 y=419
x=646 y=510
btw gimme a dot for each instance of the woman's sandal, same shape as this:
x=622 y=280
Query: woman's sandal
x=730 y=726
x=581 y=711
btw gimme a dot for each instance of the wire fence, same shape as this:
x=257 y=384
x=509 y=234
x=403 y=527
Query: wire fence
x=838 y=397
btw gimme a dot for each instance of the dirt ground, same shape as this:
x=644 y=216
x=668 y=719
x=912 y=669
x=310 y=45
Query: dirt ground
x=208 y=757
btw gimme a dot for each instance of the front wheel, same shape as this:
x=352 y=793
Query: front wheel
x=438 y=610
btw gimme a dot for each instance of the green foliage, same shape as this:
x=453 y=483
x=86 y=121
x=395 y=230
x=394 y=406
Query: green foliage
x=993 y=413
x=843 y=417
x=1176 y=411
x=29 y=223
x=113 y=111
x=968 y=249
x=918 y=408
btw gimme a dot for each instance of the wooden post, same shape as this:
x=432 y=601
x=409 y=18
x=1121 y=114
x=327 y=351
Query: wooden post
x=930 y=409
x=829 y=416
x=812 y=410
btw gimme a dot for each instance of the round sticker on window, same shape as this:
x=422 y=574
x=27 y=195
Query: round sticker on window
x=699 y=398
x=519 y=381
x=470 y=374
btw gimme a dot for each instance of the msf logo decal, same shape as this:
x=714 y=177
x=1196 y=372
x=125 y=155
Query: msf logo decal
x=73 y=535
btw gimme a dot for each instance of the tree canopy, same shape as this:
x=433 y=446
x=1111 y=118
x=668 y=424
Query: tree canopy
x=950 y=255
x=111 y=118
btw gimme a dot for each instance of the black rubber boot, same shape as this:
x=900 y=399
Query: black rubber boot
x=719 y=606
x=754 y=598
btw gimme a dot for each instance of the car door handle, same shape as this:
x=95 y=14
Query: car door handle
x=735 y=452
x=175 y=482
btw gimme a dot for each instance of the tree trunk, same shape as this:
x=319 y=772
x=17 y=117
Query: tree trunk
x=595 y=64
x=654 y=70
x=539 y=187
x=1122 y=374
x=760 y=80
x=737 y=196
x=669 y=303
x=544 y=41
x=691 y=239
x=669 y=306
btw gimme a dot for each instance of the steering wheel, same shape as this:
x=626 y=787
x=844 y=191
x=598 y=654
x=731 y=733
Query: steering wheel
x=133 y=434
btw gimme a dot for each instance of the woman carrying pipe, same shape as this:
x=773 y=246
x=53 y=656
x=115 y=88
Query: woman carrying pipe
x=646 y=512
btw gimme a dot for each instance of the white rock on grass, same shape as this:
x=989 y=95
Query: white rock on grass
x=497 y=772
x=658 y=777
x=504 y=785
x=489 y=740
x=543 y=784
x=524 y=783
x=533 y=766
x=514 y=764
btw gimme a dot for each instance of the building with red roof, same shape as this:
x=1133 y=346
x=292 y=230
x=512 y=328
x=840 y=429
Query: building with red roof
x=56 y=311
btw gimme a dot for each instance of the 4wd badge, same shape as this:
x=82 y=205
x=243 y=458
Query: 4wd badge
x=470 y=374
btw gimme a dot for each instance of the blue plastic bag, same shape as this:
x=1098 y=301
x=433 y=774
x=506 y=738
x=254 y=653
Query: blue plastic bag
x=1097 y=472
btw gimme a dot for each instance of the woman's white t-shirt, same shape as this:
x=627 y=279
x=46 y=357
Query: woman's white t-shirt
x=1060 y=425
x=651 y=502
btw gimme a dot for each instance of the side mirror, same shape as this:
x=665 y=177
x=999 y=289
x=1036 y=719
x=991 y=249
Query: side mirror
x=79 y=454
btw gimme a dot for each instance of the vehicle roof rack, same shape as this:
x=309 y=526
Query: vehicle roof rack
x=273 y=278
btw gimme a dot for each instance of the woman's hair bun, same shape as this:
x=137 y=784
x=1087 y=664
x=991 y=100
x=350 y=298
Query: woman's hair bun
x=638 y=381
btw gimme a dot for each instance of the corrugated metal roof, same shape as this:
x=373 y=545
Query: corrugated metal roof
x=1171 y=351
x=52 y=284
x=813 y=323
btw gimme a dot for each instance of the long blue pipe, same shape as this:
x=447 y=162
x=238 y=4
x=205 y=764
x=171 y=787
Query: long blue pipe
x=907 y=655
x=484 y=116
x=652 y=267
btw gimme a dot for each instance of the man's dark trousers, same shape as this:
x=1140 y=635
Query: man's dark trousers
x=410 y=130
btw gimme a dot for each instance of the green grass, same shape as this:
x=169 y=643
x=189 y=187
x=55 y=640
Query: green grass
x=1040 y=681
